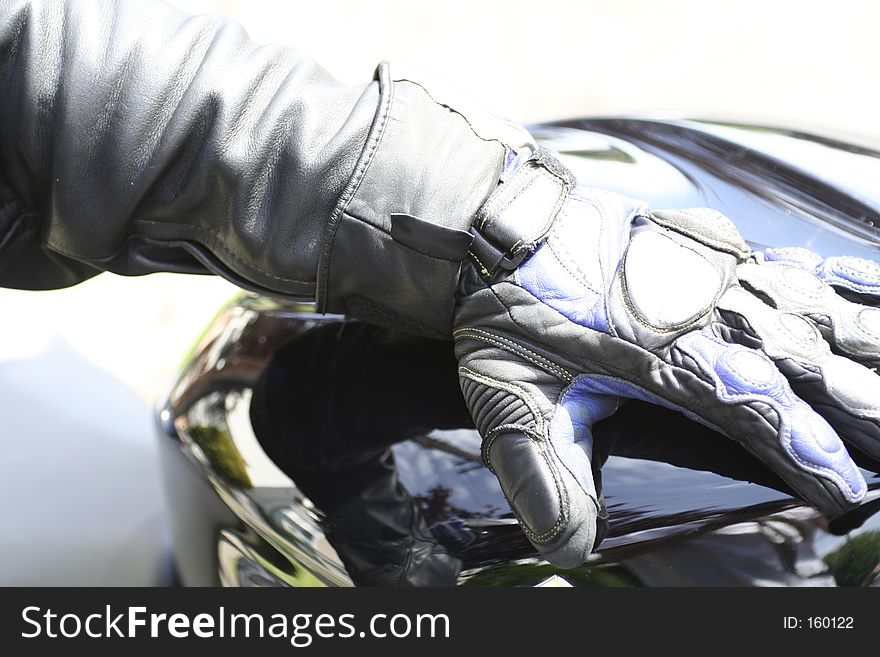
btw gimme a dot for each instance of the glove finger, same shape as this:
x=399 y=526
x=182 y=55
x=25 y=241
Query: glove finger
x=571 y=438
x=850 y=328
x=858 y=278
x=750 y=400
x=550 y=483
x=845 y=392
x=538 y=442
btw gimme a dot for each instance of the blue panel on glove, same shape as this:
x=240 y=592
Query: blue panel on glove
x=546 y=277
x=743 y=375
x=578 y=410
x=856 y=274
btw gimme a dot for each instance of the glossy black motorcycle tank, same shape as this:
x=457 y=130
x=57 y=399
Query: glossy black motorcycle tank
x=778 y=185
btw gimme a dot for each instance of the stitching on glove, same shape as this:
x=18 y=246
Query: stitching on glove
x=577 y=275
x=492 y=214
x=529 y=242
x=509 y=387
x=560 y=400
x=492 y=406
x=492 y=435
x=712 y=376
x=727 y=229
x=515 y=348
x=483 y=270
x=839 y=281
x=783 y=430
x=537 y=437
x=814 y=346
x=817 y=296
x=697 y=322
x=867 y=335
x=841 y=263
x=862 y=331
x=562 y=519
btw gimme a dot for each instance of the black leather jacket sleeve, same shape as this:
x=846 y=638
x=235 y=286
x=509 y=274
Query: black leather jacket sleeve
x=135 y=138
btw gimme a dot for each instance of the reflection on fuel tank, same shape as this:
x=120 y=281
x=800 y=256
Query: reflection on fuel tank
x=338 y=402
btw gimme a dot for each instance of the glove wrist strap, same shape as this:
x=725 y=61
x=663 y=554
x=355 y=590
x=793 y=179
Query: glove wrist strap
x=520 y=212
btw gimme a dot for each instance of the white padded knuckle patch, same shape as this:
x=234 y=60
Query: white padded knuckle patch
x=799 y=328
x=803 y=281
x=668 y=285
x=869 y=319
x=859 y=267
x=857 y=387
x=753 y=366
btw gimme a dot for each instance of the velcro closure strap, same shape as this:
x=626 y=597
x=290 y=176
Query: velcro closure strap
x=519 y=213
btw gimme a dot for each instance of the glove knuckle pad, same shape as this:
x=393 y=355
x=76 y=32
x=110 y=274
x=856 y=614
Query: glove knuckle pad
x=673 y=296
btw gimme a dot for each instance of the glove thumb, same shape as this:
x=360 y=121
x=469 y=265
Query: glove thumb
x=550 y=480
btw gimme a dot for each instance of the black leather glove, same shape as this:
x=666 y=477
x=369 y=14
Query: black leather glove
x=576 y=298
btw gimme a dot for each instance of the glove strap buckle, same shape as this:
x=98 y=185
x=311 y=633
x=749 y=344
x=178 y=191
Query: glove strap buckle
x=520 y=212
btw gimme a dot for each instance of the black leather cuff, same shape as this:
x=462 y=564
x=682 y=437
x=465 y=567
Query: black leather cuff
x=393 y=249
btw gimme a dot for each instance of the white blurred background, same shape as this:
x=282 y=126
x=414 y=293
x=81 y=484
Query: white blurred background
x=80 y=368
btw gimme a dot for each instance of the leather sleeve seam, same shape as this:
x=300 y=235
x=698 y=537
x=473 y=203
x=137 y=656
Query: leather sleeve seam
x=454 y=111
x=209 y=239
